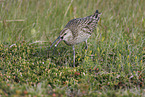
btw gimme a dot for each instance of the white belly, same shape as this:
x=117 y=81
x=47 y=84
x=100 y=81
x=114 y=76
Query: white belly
x=81 y=37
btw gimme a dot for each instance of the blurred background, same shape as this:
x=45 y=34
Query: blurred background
x=42 y=20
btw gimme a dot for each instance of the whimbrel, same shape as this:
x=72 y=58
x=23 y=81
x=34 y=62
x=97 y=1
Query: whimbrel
x=78 y=30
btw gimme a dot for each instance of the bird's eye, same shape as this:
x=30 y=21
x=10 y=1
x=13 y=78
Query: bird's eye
x=61 y=37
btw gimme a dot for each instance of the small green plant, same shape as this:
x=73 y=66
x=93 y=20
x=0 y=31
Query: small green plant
x=113 y=65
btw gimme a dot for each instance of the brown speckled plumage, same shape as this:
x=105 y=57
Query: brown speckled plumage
x=78 y=30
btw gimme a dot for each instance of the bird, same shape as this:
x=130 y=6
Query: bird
x=78 y=30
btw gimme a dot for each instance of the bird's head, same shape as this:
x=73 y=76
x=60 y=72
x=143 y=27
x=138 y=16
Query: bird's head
x=65 y=35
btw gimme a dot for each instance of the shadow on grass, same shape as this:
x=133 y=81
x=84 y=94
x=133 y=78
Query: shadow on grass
x=61 y=56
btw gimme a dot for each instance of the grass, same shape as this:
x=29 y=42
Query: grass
x=114 y=65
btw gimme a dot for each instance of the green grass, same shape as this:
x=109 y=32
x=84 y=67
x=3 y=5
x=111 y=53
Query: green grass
x=114 y=65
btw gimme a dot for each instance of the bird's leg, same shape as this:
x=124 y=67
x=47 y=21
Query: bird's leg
x=86 y=48
x=73 y=56
x=86 y=45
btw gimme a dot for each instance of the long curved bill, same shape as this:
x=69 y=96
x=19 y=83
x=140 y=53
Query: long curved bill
x=57 y=42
